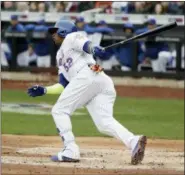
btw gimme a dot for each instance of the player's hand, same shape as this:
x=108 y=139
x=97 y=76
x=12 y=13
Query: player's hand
x=36 y=90
x=98 y=51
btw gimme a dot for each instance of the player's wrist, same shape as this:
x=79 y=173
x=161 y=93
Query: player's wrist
x=88 y=48
x=54 y=89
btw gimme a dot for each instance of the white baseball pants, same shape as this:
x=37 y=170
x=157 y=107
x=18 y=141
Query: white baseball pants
x=4 y=48
x=44 y=61
x=95 y=91
x=159 y=65
x=23 y=58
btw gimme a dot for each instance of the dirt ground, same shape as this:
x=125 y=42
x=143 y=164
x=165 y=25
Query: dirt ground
x=107 y=156
x=31 y=155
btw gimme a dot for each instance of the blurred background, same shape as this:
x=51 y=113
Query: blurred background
x=26 y=45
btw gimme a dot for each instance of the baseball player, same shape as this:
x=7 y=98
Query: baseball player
x=156 y=53
x=22 y=43
x=83 y=83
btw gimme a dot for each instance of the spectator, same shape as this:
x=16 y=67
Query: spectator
x=60 y=6
x=120 y=7
x=139 y=7
x=159 y=9
x=102 y=4
x=72 y=6
x=22 y=44
x=108 y=7
x=33 y=7
x=41 y=47
x=85 y=5
x=165 y=6
x=124 y=53
x=108 y=60
x=22 y=6
x=42 y=7
x=176 y=7
x=181 y=5
x=149 y=7
x=157 y=53
x=131 y=7
x=8 y=6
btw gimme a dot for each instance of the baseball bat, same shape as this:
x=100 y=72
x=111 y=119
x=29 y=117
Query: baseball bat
x=145 y=34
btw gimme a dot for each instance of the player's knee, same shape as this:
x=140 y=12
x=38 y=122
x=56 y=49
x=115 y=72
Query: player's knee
x=104 y=125
x=164 y=54
x=59 y=109
x=55 y=110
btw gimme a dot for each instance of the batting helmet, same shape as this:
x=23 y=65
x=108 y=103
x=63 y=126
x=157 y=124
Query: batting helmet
x=62 y=28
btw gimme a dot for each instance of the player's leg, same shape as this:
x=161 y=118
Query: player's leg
x=77 y=93
x=44 y=61
x=163 y=58
x=48 y=61
x=4 y=49
x=101 y=111
x=155 y=65
x=40 y=61
x=22 y=58
x=64 y=127
x=61 y=112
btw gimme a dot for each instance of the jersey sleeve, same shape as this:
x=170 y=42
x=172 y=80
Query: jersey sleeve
x=62 y=80
x=78 y=40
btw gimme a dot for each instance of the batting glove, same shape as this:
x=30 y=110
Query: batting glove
x=96 y=68
x=98 y=51
x=36 y=90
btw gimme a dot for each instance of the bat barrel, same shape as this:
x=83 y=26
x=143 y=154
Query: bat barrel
x=145 y=34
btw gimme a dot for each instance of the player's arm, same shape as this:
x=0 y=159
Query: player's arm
x=57 y=88
x=81 y=43
x=54 y=89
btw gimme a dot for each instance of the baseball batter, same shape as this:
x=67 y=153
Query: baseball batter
x=83 y=83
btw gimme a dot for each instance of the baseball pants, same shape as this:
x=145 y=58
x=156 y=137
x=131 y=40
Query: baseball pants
x=96 y=92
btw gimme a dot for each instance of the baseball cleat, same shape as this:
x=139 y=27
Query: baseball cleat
x=70 y=153
x=139 y=150
x=64 y=159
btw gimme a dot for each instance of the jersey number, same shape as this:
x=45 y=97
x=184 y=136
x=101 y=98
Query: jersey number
x=67 y=64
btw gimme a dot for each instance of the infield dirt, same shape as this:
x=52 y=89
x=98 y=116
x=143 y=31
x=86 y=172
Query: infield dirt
x=31 y=155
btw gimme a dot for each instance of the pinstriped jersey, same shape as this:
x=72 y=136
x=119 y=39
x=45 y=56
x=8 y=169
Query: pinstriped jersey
x=70 y=57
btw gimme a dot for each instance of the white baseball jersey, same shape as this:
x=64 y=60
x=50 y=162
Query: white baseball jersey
x=70 y=57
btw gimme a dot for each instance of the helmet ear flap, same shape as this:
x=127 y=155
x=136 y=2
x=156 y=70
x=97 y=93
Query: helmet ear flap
x=62 y=33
